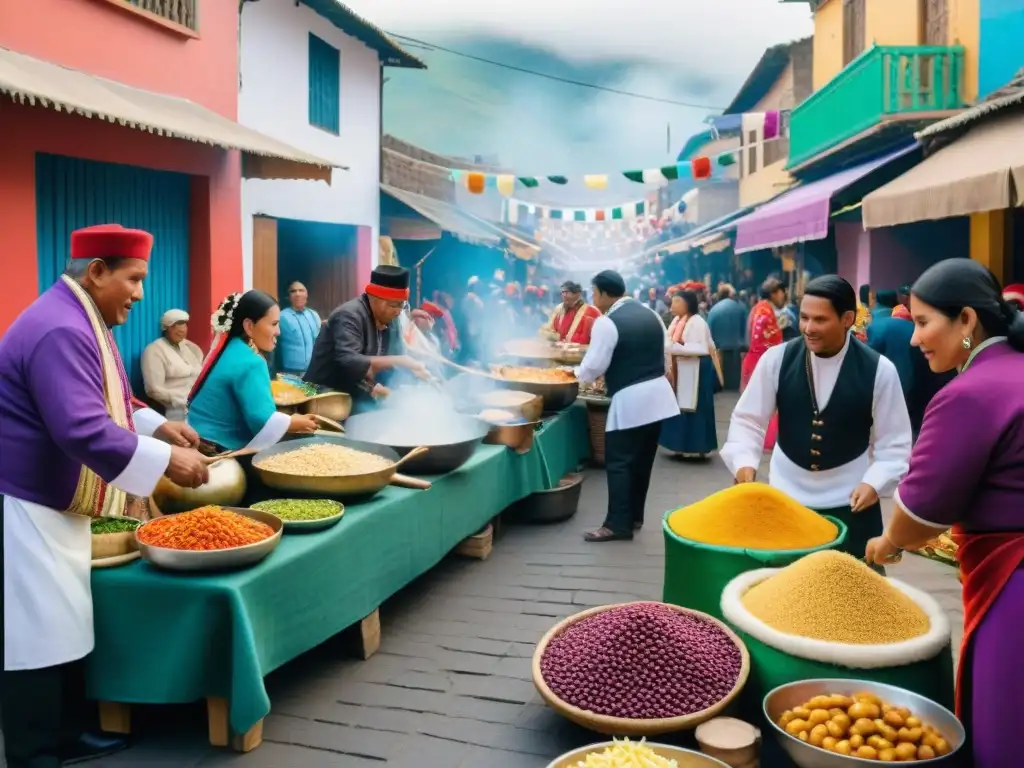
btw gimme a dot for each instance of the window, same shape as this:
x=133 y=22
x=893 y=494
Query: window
x=324 y=85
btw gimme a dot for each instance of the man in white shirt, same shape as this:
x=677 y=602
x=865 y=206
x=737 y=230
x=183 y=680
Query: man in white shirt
x=844 y=432
x=627 y=347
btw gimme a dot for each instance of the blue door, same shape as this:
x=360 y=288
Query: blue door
x=73 y=193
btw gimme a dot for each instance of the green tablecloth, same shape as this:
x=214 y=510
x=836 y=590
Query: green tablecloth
x=168 y=638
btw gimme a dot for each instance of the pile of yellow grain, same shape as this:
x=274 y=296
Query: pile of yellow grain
x=752 y=516
x=834 y=597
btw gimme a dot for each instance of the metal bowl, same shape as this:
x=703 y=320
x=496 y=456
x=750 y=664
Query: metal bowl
x=341 y=486
x=528 y=405
x=685 y=758
x=379 y=427
x=307 y=526
x=805 y=756
x=556 y=397
x=214 y=559
x=336 y=406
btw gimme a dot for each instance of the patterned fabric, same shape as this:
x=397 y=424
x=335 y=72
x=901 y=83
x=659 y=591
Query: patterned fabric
x=93 y=497
x=764 y=334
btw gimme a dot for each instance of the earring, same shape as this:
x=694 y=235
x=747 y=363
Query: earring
x=967 y=342
x=253 y=347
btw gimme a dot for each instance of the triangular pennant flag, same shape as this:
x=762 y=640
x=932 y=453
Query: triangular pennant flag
x=670 y=172
x=637 y=176
x=556 y=213
x=506 y=184
x=726 y=159
x=617 y=212
x=595 y=181
x=599 y=214
x=653 y=176
x=529 y=182
x=641 y=206
x=558 y=179
x=700 y=167
x=476 y=183
x=579 y=216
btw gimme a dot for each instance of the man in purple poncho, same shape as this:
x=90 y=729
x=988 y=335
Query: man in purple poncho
x=71 y=448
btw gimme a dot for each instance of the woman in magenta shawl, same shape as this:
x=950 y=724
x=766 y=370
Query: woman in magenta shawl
x=967 y=471
x=763 y=329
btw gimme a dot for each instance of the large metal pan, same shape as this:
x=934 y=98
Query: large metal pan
x=348 y=487
x=463 y=432
x=557 y=397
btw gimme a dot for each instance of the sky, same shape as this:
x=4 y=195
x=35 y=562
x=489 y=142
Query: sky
x=683 y=50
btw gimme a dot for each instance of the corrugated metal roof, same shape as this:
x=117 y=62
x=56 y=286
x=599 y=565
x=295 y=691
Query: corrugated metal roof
x=447 y=217
x=37 y=82
x=351 y=23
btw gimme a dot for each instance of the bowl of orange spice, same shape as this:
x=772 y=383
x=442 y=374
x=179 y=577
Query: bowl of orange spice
x=209 y=539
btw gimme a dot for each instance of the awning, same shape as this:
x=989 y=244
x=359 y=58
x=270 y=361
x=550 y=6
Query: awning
x=710 y=230
x=446 y=216
x=981 y=171
x=34 y=81
x=802 y=214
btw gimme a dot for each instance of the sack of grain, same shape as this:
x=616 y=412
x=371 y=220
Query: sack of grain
x=829 y=615
x=743 y=528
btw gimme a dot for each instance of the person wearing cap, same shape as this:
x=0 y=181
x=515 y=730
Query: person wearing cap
x=443 y=327
x=74 y=447
x=573 y=318
x=627 y=347
x=171 y=364
x=361 y=348
x=471 y=320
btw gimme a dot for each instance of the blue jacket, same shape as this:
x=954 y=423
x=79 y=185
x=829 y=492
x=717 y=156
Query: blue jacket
x=727 y=321
x=890 y=336
x=298 y=332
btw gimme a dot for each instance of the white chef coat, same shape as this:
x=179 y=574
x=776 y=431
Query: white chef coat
x=637 y=404
x=882 y=466
x=48 y=565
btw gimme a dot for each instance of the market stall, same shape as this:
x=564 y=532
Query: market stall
x=218 y=635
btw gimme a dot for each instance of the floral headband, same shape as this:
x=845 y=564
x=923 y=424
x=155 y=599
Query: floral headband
x=224 y=317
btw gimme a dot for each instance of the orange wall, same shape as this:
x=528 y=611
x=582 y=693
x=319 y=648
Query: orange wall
x=216 y=237
x=103 y=38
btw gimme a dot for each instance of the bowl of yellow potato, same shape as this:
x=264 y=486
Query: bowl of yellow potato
x=834 y=723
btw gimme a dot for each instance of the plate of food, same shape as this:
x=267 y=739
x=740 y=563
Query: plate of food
x=303 y=515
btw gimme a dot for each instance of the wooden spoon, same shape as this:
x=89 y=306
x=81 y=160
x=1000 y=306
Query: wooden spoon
x=211 y=460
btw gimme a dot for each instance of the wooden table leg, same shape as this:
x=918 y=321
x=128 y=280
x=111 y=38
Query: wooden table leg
x=369 y=635
x=218 y=711
x=115 y=717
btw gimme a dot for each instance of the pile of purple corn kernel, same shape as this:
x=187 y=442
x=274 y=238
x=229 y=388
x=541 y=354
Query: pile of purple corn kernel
x=642 y=661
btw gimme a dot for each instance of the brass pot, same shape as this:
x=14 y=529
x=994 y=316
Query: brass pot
x=226 y=489
x=518 y=437
x=336 y=406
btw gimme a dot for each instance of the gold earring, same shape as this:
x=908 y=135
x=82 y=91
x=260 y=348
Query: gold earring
x=967 y=342
x=253 y=347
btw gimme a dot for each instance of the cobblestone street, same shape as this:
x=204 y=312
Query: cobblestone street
x=450 y=686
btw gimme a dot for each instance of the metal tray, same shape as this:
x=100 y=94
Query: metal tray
x=216 y=559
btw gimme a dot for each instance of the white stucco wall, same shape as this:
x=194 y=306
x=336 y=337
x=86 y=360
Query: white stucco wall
x=274 y=68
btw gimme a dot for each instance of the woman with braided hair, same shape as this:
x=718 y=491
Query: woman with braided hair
x=231 y=405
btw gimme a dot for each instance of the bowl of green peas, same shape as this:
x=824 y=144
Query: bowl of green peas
x=303 y=515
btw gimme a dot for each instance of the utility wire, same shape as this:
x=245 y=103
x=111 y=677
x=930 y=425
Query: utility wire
x=549 y=76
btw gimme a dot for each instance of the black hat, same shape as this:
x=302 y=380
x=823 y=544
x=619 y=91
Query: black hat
x=387 y=282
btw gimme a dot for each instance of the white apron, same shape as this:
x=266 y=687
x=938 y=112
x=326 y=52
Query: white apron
x=47 y=586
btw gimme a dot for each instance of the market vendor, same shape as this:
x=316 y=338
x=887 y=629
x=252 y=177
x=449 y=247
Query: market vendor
x=844 y=431
x=231 y=404
x=73 y=447
x=360 y=350
x=571 y=320
x=967 y=471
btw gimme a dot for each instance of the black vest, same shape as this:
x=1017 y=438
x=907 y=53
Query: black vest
x=819 y=440
x=639 y=354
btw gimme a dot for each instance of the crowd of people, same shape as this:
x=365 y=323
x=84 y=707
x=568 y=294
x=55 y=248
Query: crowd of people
x=914 y=393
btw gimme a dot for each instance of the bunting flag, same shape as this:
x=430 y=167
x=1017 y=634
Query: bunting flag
x=767 y=127
x=527 y=214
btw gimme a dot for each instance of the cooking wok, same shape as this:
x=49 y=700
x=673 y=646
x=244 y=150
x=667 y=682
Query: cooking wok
x=341 y=486
x=463 y=433
x=557 y=397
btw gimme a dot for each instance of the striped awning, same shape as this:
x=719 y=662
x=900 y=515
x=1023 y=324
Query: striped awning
x=446 y=216
x=36 y=82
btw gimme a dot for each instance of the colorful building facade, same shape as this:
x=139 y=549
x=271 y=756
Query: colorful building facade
x=312 y=75
x=114 y=113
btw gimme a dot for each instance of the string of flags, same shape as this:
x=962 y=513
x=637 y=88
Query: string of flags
x=767 y=125
x=520 y=212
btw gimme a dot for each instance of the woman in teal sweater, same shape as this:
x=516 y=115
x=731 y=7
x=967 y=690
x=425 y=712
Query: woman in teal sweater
x=231 y=404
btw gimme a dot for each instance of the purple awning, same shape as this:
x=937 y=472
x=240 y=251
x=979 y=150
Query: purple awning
x=803 y=213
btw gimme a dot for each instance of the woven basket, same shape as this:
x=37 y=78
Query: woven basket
x=622 y=726
x=597 y=417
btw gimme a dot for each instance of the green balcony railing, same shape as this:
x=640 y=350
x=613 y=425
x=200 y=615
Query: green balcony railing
x=882 y=81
